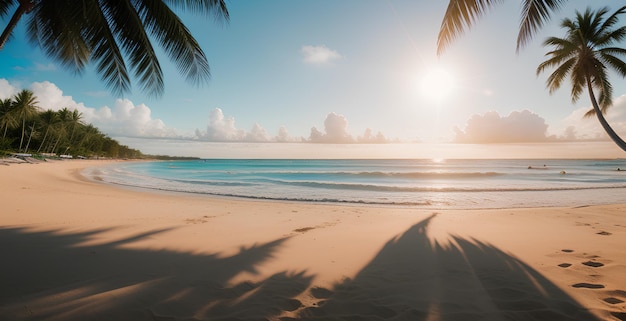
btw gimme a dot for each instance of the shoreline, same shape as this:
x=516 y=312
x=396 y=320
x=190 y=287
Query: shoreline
x=580 y=188
x=77 y=248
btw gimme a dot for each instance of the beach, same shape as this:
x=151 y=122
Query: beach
x=77 y=249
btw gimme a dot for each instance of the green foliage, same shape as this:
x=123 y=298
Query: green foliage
x=462 y=14
x=31 y=130
x=119 y=38
x=584 y=57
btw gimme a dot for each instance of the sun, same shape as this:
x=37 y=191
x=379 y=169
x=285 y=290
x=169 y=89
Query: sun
x=437 y=85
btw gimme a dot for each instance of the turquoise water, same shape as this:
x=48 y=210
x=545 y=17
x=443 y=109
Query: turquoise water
x=415 y=183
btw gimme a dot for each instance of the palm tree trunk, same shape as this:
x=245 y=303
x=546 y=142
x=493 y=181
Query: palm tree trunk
x=32 y=131
x=43 y=140
x=607 y=128
x=12 y=23
x=23 y=129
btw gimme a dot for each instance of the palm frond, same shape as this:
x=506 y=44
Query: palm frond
x=128 y=27
x=612 y=19
x=177 y=41
x=578 y=79
x=56 y=27
x=5 y=5
x=534 y=14
x=564 y=50
x=604 y=98
x=608 y=55
x=559 y=74
x=460 y=14
x=592 y=22
x=215 y=7
x=600 y=80
x=611 y=37
x=105 y=51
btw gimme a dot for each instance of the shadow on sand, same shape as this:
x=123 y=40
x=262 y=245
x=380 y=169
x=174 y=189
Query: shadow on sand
x=53 y=275
x=50 y=276
x=414 y=278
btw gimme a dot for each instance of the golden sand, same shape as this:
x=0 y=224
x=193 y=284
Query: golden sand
x=73 y=249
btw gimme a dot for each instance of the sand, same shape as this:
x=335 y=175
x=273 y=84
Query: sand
x=74 y=249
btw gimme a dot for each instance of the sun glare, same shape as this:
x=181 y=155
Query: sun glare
x=437 y=85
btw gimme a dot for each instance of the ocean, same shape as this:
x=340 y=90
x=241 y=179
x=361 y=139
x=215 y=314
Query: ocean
x=419 y=183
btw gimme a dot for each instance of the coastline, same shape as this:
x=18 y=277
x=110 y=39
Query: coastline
x=77 y=248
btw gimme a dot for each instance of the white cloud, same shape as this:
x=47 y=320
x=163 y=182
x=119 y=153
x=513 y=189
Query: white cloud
x=335 y=131
x=222 y=129
x=517 y=127
x=128 y=119
x=526 y=126
x=51 y=97
x=319 y=54
x=283 y=135
x=369 y=137
x=257 y=134
x=589 y=128
x=6 y=89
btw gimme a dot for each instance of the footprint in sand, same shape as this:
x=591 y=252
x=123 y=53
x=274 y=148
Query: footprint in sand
x=201 y=220
x=619 y=315
x=304 y=229
x=565 y=265
x=604 y=233
x=588 y=286
x=593 y=264
x=612 y=300
x=567 y=250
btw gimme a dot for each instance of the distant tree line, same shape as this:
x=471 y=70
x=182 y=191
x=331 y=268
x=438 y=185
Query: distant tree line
x=26 y=128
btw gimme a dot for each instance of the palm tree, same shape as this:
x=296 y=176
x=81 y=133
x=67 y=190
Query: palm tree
x=462 y=14
x=24 y=108
x=116 y=36
x=6 y=116
x=48 y=119
x=30 y=136
x=61 y=128
x=89 y=132
x=585 y=55
x=75 y=120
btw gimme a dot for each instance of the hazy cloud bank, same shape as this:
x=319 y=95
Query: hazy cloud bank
x=527 y=127
x=490 y=128
x=336 y=132
x=581 y=128
x=221 y=128
x=125 y=118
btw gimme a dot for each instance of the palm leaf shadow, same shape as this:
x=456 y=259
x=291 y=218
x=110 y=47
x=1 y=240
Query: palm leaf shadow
x=49 y=275
x=414 y=278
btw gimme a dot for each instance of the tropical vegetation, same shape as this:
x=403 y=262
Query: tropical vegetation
x=585 y=55
x=462 y=14
x=26 y=128
x=117 y=36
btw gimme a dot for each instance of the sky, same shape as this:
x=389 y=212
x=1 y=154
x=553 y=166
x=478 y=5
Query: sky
x=352 y=78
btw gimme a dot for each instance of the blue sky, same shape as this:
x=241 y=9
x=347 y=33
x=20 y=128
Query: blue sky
x=330 y=71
